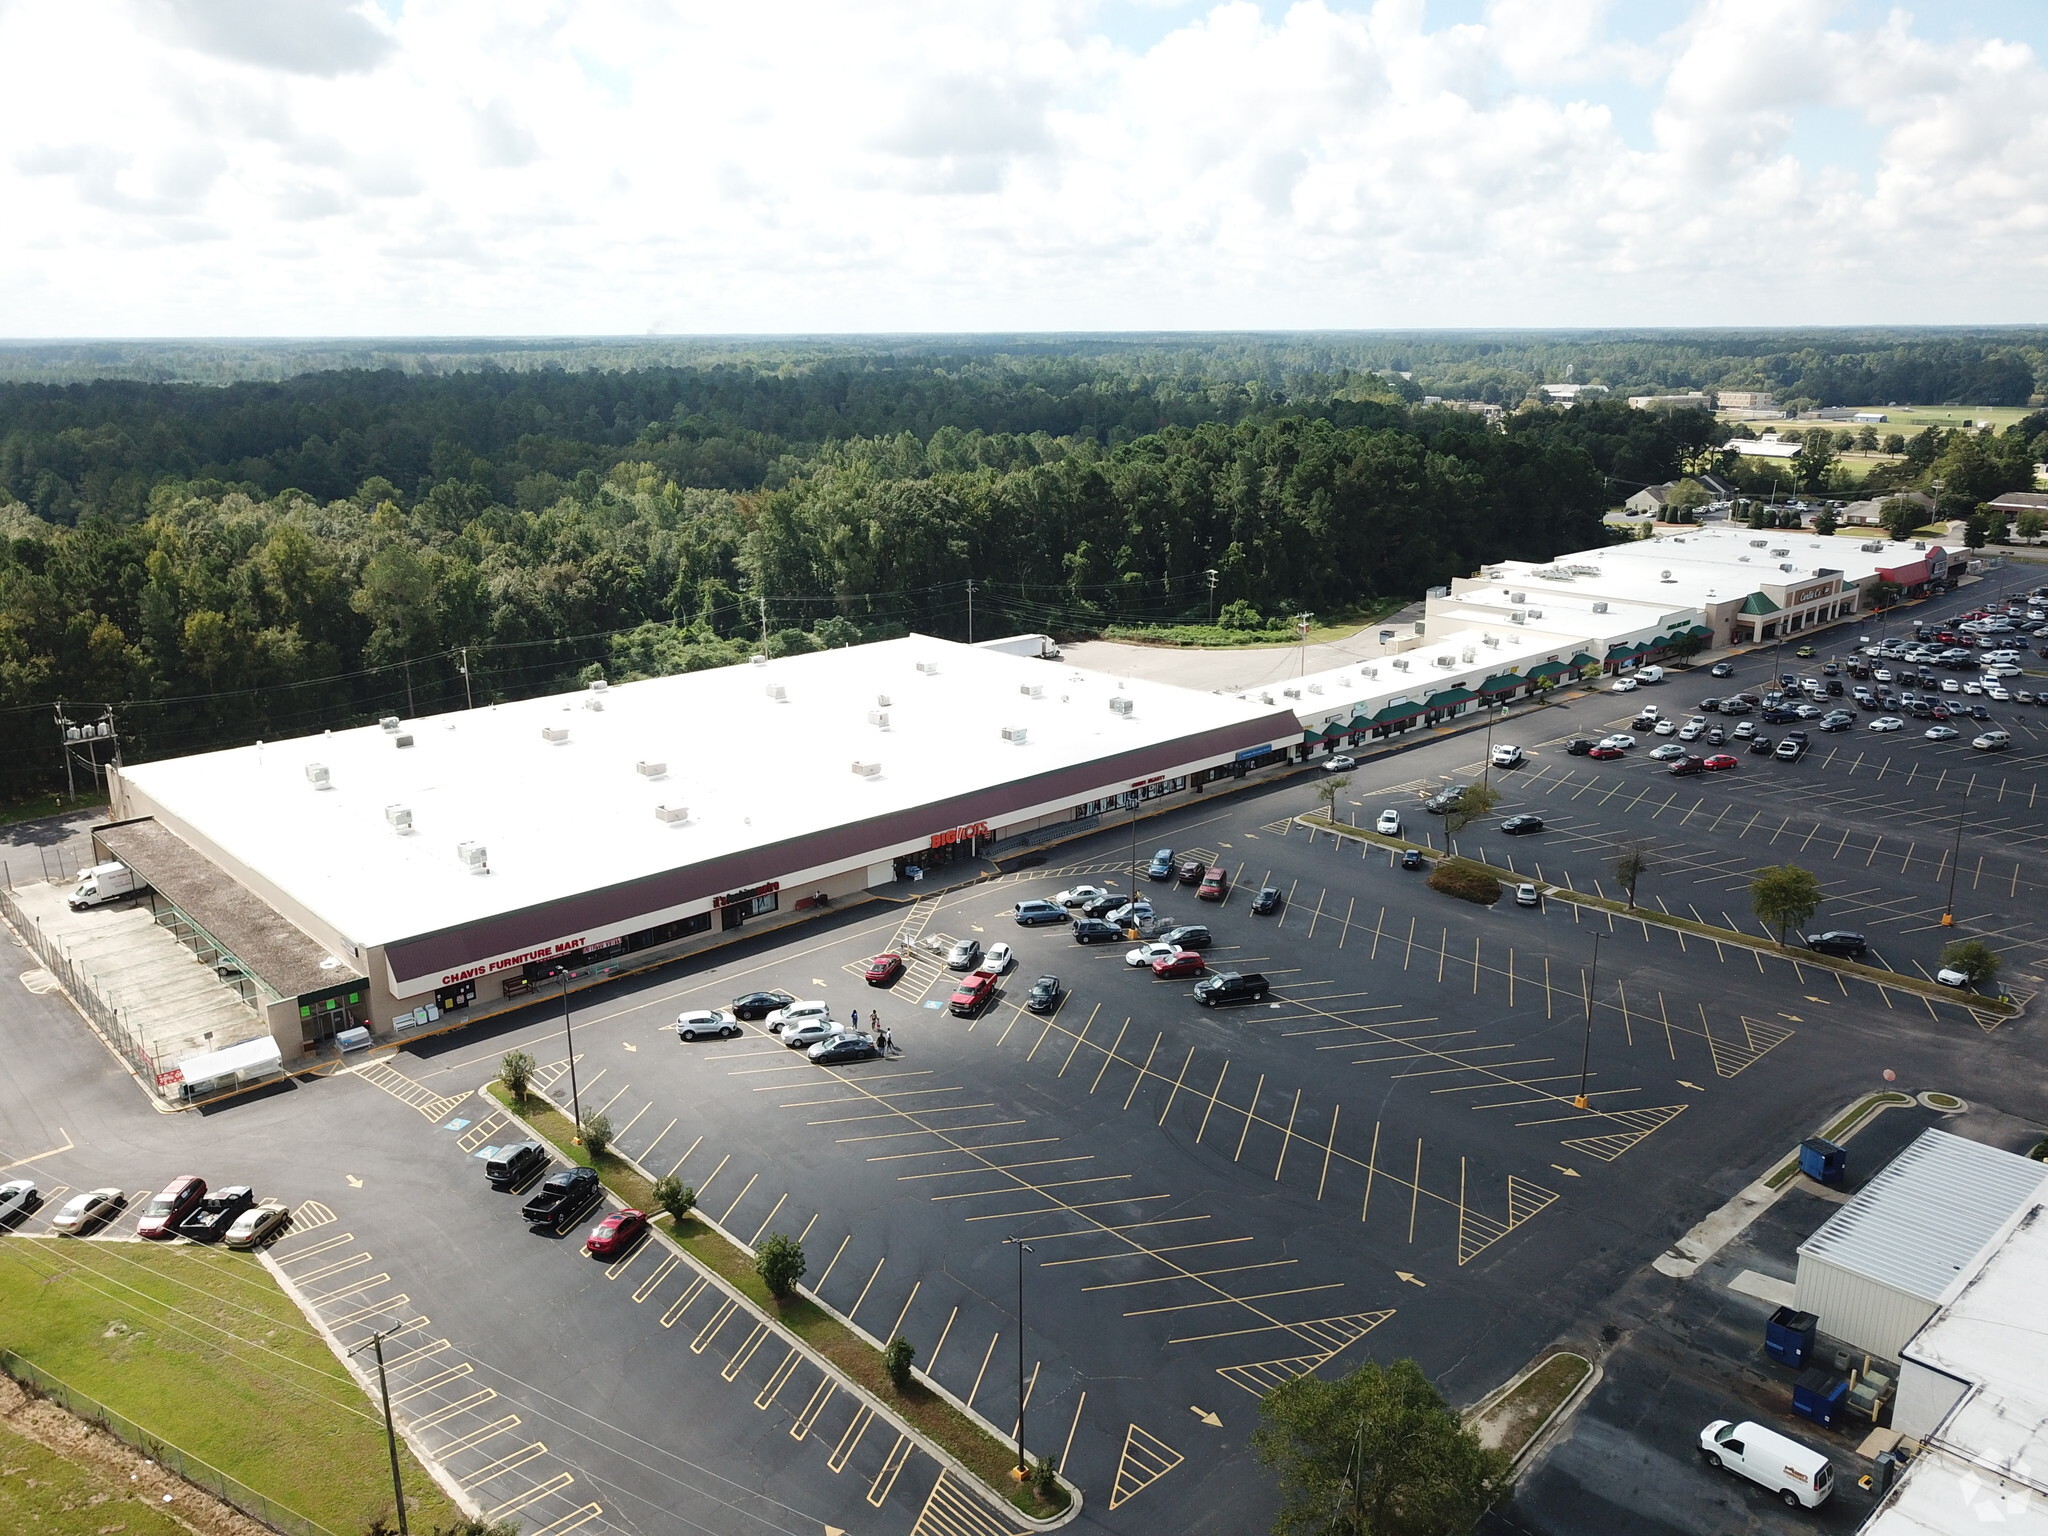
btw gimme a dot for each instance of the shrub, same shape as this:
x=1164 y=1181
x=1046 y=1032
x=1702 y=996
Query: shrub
x=779 y=1262
x=1465 y=880
x=897 y=1360
x=674 y=1196
x=1973 y=957
x=597 y=1134
x=516 y=1073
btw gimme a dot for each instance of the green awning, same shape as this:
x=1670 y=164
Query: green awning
x=1757 y=603
x=1502 y=682
x=1451 y=697
x=1393 y=712
x=1544 y=669
x=1582 y=661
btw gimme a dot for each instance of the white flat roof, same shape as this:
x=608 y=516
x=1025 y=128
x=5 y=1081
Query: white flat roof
x=561 y=819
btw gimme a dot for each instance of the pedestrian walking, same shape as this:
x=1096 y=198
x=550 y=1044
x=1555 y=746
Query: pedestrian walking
x=888 y=1043
x=856 y=1021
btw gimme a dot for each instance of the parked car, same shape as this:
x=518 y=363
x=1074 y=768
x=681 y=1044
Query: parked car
x=784 y=1019
x=1186 y=962
x=18 y=1198
x=1790 y=750
x=998 y=960
x=1941 y=733
x=1579 y=746
x=1093 y=930
x=974 y=993
x=1214 y=880
x=1161 y=867
x=1507 y=755
x=1191 y=871
x=1232 y=987
x=1992 y=741
x=511 y=1166
x=1667 y=751
x=1145 y=954
x=562 y=1197
x=704 y=1024
x=216 y=1213
x=847 y=1047
x=756 y=1006
x=89 y=1209
x=1339 y=764
x=1411 y=858
x=1622 y=685
x=1886 y=723
x=1102 y=906
x=615 y=1234
x=1762 y=746
x=1188 y=936
x=1620 y=739
x=965 y=955
x=1080 y=895
x=1522 y=825
x=1526 y=895
x=1744 y=729
x=1720 y=762
x=1691 y=732
x=1837 y=941
x=1666 y=728
x=170 y=1206
x=1687 y=766
x=259 y=1224
x=1798 y=1475
x=1440 y=802
x=1127 y=913
x=1044 y=995
x=1604 y=753
x=1389 y=824
x=1030 y=914
x=1267 y=901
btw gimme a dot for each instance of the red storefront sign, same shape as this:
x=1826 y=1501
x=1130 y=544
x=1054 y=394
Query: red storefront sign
x=959 y=834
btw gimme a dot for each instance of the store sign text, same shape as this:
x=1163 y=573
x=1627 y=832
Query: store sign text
x=1157 y=778
x=959 y=834
x=1808 y=594
x=734 y=898
x=525 y=957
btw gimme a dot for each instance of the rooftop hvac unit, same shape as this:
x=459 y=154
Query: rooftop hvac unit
x=398 y=817
x=402 y=739
x=648 y=770
x=1516 y=618
x=554 y=733
x=473 y=858
x=1447 y=661
x=1291 y=693
x=1787 y=565
x=598 y=685
x=1370 y=671
x=929 y=668
x=868 y=770
x=1759 y=543
x=1493 y=640
x=1315 y=687
x=593 y=702
x=1016 y=734
x=1264 y=698
x=879 y=717
x=1599 y=607
x=1779 y=554
x=1469 y=653
x=1401 y=663
x=1518 y=597
x=778 y=692
x=318 y=776
x=1535 y=613
x=390 y=722
x=1032 y=690
x=1666 y=576
x=760 y=661
x=1122 y=704
x=1871 y=549
x=882 y=699
x=671 y=813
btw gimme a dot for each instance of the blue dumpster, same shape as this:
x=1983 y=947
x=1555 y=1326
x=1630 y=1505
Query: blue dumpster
x=1818 y=1396
x=1822 y=1161
x=1788 y=1337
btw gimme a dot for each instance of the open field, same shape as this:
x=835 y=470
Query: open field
x=202 y=1348
x=41 y=1491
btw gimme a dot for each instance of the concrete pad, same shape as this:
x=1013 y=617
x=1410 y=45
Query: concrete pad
x=1779 y=1293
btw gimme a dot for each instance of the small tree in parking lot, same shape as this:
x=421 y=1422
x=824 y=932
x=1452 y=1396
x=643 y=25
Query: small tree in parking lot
x=779 y=1261
x=515 y=1071
x=1631 y=864
x=1328 y=791
x=897 y=1359
x=675 y=1197
x=597 y=1134
x=1784 y=896
x=1474 y=802
x=1975 y=959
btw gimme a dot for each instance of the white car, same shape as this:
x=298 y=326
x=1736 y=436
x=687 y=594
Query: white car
x=1691 y=732
x=1145 y=954
x=1942 y=733
x=1339 y=764
x=18 y=1197
x=1623 y=685
x=2000 y=669
x=798 y=1013
x=1389 y=824
x=706 y=1024
x=998 y=960
x=89 y=1209
x=1951 y=685
x=1620 y=739
x=1667 y=751
x=1976 y=688
x=1886 y=723
x=1997 y=694
x=1506 y=756
x=1647 y=712
x=1138 y=911
x=1883 y=674
x=1665 y=727
x=1951 y=978
x=1526 y=896
x=805 y=1033
x=1080 y=895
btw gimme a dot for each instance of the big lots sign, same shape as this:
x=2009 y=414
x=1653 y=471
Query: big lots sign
x=959 y=834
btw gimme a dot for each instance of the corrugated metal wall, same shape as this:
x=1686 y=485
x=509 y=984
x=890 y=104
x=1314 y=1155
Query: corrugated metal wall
x=1858 y=1311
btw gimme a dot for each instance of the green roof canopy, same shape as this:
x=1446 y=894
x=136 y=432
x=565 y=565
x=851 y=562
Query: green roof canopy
x=1757 y=603
x=1450 y=697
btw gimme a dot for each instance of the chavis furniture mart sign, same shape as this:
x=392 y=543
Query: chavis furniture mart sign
x=506 y=962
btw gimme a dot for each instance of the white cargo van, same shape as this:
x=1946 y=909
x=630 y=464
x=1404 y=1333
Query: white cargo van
x=101 y=883
x=1801 y=1477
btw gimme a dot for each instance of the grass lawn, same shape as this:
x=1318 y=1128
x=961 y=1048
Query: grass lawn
x=1341 y=625
x=200 y=1348
x=35 y=807
x=42 y=1492
x=1507 y=1424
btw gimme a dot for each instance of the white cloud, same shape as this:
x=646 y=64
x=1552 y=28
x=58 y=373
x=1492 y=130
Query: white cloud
x=258 y=166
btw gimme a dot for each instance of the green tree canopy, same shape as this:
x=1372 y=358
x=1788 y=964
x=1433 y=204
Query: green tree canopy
x=1784 y=896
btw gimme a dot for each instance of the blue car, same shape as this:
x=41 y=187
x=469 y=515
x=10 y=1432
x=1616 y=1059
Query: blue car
x=1161 y=867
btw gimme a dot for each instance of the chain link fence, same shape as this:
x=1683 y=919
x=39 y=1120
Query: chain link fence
x=108 y=1020
x=199 y=1473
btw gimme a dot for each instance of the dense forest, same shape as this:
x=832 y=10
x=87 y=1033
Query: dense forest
x=226 y=562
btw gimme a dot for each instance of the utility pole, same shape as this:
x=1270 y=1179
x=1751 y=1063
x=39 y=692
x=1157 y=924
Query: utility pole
x=376 y=1342
x=1586 y=1054
x=970 y=610
x=1022 y=1247
x=1210 y=577
x=467 y=701
x=410 y=712
x=761 y=598
x=72 y=735
x=569 y=1035
x=1948 y=910
x=1302 y=621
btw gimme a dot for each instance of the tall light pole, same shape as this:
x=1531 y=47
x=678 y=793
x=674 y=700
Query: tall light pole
x=1493 y=712
x=1022 y=1247
x=1586 y=1053
x=569 y=1035
x=1302 y=621
x=1211 y=578
x=376 y=1342
x=970 y=610
x=1948 y=911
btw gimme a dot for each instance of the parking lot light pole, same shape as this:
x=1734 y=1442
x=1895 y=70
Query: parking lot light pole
x=376 y=1343
x=1948 y=910
x=568 y=1034
x=1022 y=1247
x=1586 y=1054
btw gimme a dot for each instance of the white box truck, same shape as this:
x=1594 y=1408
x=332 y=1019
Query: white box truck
x=100 y=884
x=1042 y=647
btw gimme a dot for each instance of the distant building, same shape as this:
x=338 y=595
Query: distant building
x=1692 y=400
x=1872 y=416
x=1747 y=399
x=1650 y=501
x=1864 y=514
x=1571 y=394
x=2013 y=503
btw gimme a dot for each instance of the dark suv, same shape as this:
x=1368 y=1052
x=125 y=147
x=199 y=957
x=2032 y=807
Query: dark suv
x=1188 y=936
x=1837 y=941
x=513 y=1165
x=1093 y=930
x=1161 y=867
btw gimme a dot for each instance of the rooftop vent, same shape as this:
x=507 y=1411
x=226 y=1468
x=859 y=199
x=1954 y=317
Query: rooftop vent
x=879 y=717
x=593 y=701
x=473 y=858
x=760 y=661
x=929 y=668
x=554 y=733
x=1516 y=618
x=1292 y=693
x=1032 y=690
x=1599 y=607
x=1016 y=735
x=398 y=817
x=882 y=699
x=1518 y=597
x=1535 y=613
x=868 y=770
x=1401 y=663
x=1779 y=554
x=671 y=813
x=1666 y=576
x=402 y=739
x=318 y=776
x=1122 y=704
x=778 y=691
x=1787 y=565
x=1759 y=543
x=1490 y=640
x=1315 y=687
x=598 y=685
x=390 y=722
x=648 y=770
x=1370 y=671
x=1872 y=549
x=1469 y=653
x=1264 y=698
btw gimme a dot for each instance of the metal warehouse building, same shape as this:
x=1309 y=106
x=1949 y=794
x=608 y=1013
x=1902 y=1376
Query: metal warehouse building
x=383 y=876
x=1911 y=1238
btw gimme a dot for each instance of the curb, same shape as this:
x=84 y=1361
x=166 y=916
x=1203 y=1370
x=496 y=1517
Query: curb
x=876 y=1405
x=1519 y=1460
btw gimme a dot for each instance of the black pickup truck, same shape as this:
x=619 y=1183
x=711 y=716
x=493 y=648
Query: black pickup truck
x=561 y=1197
x=1232 y=987
x=216 y=1213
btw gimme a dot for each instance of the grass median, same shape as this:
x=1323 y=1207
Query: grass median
x=990 y=1459
x=202 y=1349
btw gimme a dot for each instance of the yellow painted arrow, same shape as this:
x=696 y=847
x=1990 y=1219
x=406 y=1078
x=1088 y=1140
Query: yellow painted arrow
x=1570 y=1173
x=631 y=1046
x=976 y=927
x=817 y=981
x=834 y=1530
x=1205 y=1416
x=1402 y=1274
x=1695 y=1087
x=353 y=1181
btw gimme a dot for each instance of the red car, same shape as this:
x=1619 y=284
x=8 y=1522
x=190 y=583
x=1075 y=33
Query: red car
x=615 y=1234
x=884 y=969
x=180 y=1198
x=1187 y=962
x=972 y=995
x=1721 y=760
x=1605 y=754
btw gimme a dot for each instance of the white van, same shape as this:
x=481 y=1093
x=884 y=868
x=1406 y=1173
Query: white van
x=1801 y=1477
x=1650 y=675
x=1993 y=741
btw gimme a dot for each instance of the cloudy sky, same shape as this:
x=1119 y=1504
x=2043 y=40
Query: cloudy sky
x=400 y=167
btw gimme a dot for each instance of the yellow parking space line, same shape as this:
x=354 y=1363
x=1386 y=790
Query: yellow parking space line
x=778 y=1379
x=648 y=1150
x=710 y=1330
x=388 y=1304
x=752 y=1179
x=504 y=1464
x=399 y=1362
x=1127 y=1253
x=892 y=1467
x=890 y=1114
x=849 y=1440
x=835 y=1261
x=474 y=1438
x=738 y=1362
x=453 y=1373
x=1011 y=1189
x=618 y=1266
x=986 y=1146
x=1108 y=1057
x=1086 y=1205
x=681 y=1303
x=661 y=1271
x=1231 y=1301
x=349 y=1290
x=951 y=1130
x=988 y=1355
x=461 y=1406
x=575 y=1520
x=962 y=1173
x=781 y=1201
x=897 y=1327
x=714 y=1173
x=317 y=1248
x=808 y=1419
x=1193 y=1274
x=533 y=1495
x=686 y=1156
x=855 y=1308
